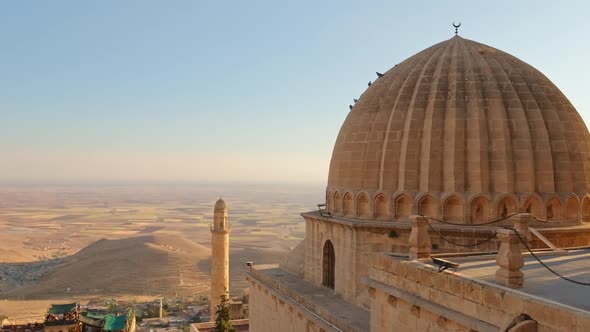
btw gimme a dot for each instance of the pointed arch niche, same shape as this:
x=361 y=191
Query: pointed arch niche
x=534 y=206
x=571 y=209
x=505 y=207
x=363 y=206
x=330 y=202
x=554 y=209
x=403 y=207
x=479 y=210
x=337 y=203
x=381 y=207
x=428 y=207
x=348 y=205
x=453 y=209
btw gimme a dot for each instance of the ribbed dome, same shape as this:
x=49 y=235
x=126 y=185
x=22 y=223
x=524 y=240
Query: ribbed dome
x=462 y=118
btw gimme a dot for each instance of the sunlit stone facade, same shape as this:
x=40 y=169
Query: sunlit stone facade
x=460 y=132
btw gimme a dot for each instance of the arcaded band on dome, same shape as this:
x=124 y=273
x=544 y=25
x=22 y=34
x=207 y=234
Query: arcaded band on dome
x=465 y=132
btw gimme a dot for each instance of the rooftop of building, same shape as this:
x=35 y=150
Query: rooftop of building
x=538 y=280
x=319 y=301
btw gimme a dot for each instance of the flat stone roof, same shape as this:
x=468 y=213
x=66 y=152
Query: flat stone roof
x=539 y=281
x=319 y=300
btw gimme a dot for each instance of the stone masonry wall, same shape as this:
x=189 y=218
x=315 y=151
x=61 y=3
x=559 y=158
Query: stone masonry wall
x=389 y=313
x=352 y=249
x=270 y=312
x=486 y=304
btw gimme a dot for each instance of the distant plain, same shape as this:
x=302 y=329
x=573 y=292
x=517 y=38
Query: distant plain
x=80 y=242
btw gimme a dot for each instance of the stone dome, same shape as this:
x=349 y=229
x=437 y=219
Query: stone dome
x=463 y=131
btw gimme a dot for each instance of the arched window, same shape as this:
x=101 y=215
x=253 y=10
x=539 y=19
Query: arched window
x=328 y=265
x=381 y=207
x=479 y=210
x=453 y=209
x=348 y=204
x=363 y=208
x=403 y=207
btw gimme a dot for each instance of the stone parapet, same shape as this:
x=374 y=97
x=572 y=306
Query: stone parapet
x=486 y=302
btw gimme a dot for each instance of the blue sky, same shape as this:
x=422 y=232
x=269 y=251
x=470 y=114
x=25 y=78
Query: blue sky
x=234 y=90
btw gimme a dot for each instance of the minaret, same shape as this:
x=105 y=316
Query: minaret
x=219 y=255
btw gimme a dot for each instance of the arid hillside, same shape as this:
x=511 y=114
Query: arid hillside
x=147 y=265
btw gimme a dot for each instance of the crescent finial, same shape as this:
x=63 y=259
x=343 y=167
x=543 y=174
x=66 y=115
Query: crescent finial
x=456 y=27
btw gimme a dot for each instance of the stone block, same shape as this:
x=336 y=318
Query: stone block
x=512 y=303
x=492 y=297
x=455 y=286
x=473 y=292
x=484 y=313
x=426 y=276
x=412 y=273
x=402 y=269
x=562 y=319
x=499 y=317
x=410 y=286
x=440 y=282
x=424 y=291
x=538 y=311
x=544 y=328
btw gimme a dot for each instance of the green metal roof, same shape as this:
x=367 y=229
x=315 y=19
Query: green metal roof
x=114 y=323
x=58 y=309
x=95 y=315
x=91 y=321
